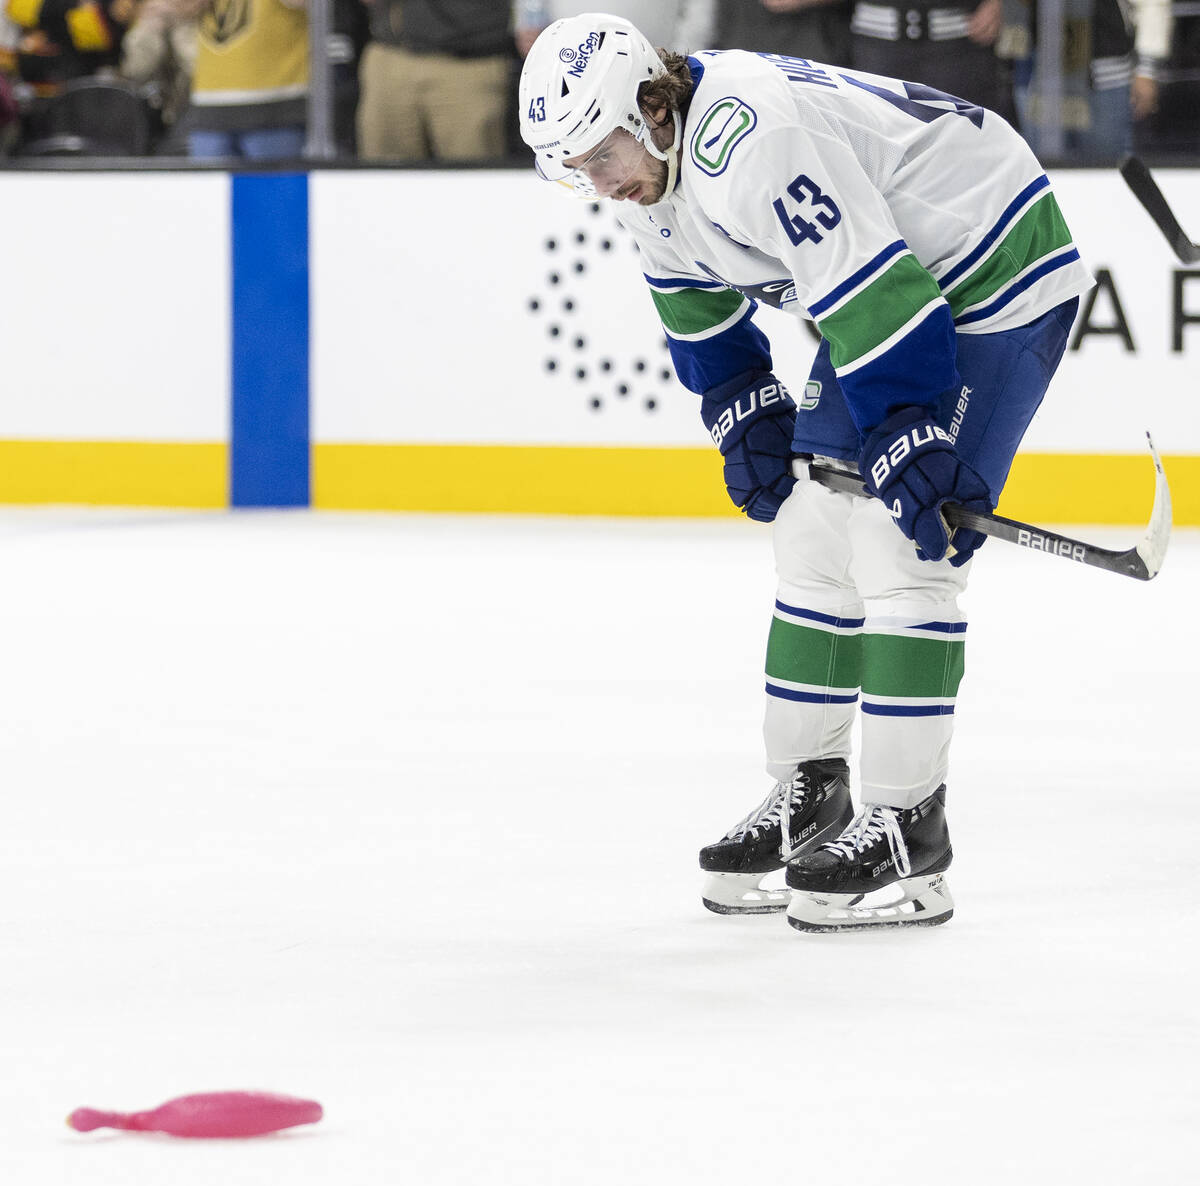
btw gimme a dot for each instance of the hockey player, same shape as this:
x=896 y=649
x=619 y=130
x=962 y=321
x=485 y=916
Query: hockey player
x=920 y=234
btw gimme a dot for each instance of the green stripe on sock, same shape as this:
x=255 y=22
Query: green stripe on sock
x=874 y=314
x=693 y=310
x=805 y=655
x=900 y=665
x=1038 y=232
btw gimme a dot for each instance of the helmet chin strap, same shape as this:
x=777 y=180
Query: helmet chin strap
x=672 y=169
x=671 y=155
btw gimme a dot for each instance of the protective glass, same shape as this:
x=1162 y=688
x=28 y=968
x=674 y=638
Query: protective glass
x=607 y=167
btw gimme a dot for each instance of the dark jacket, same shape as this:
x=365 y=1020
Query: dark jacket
x=461 y=28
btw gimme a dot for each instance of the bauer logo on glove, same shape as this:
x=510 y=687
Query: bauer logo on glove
x=902 y=446
x=913 y=468
x=746 y=406
x=752 y=420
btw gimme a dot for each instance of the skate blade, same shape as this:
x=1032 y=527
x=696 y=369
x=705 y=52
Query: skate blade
x=914 y=902
x=741 y=893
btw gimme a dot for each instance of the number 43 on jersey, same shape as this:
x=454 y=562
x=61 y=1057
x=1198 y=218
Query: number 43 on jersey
x=807 y=193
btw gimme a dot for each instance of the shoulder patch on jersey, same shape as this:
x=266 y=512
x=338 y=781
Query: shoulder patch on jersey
x=722 y=127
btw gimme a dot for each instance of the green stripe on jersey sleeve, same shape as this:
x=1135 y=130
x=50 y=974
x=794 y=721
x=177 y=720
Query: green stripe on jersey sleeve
x=693 y=311
x=1040 y=231
x=878 y=311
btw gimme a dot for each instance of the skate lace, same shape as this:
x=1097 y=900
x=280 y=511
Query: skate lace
x=776 y=808
x=874 y=823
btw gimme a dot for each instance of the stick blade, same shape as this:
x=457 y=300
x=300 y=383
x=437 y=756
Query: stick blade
x=1152 y=550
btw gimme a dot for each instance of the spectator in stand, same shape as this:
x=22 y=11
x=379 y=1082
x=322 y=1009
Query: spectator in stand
x=159 y=53
x=10 y=36
x=679 y=25
x=1152 y=28
x=1174 y=127
x=250 y=86
x=815 y=29
x=433 y=80
x=8 y=116
x=1113 y=51
x=344 y=48
x=950 y=47
x=60 y=40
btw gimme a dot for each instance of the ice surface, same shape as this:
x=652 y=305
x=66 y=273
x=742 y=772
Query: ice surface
x=401 y=814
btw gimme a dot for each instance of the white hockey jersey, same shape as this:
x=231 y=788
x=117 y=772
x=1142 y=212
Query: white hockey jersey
x=889 y=213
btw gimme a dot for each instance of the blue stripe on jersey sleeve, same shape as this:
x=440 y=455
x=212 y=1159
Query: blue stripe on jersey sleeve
x=915 y=372
x=818 y=309
x=997 y=230
x=710 y=362
x=670 y=284
x=1027 y=281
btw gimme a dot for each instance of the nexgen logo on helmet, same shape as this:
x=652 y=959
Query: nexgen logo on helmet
x=578 y=85
x=578 y=58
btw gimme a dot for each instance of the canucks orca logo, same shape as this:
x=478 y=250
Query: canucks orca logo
x=724 y=125
x=225 y=20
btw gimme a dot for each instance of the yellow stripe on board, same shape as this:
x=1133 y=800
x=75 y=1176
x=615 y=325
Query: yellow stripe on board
x=580 y=480
x=552 y=479
x=1098 y=488
x=532 y=479
x=115 y=473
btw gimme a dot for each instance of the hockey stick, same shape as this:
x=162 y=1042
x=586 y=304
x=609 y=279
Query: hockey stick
x=1142 y=562
x=1146 y=190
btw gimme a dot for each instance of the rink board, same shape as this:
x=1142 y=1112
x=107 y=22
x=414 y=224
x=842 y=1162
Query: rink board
x=370 y=339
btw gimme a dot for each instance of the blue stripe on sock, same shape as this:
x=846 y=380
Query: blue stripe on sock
x=269 y=449
x=907 y=710
x=812 y=615
x=809 y=697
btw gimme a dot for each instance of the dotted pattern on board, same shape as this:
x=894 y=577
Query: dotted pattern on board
x=600 y=377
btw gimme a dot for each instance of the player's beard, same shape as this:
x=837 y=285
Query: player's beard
x=652 y=186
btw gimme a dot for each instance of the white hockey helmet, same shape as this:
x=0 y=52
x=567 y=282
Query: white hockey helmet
x=579 y=82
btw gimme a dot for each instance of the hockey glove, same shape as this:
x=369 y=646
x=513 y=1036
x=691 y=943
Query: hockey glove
x=752 y=423
x=910 y=464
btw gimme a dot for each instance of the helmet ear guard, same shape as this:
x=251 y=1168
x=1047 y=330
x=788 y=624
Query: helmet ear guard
x=580 y=81
x=670 y=155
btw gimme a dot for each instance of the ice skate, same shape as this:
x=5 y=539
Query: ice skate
x=793 y=819
x=885 y=870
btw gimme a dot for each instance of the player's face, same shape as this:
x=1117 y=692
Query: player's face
x=621 y=168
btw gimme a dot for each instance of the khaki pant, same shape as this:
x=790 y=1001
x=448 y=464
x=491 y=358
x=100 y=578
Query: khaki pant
x=418 y=107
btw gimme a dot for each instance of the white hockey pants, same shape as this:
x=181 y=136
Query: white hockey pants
x=858 y=618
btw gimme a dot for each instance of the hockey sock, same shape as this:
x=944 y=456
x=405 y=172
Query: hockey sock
x=911 y=670
x=814 y=659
